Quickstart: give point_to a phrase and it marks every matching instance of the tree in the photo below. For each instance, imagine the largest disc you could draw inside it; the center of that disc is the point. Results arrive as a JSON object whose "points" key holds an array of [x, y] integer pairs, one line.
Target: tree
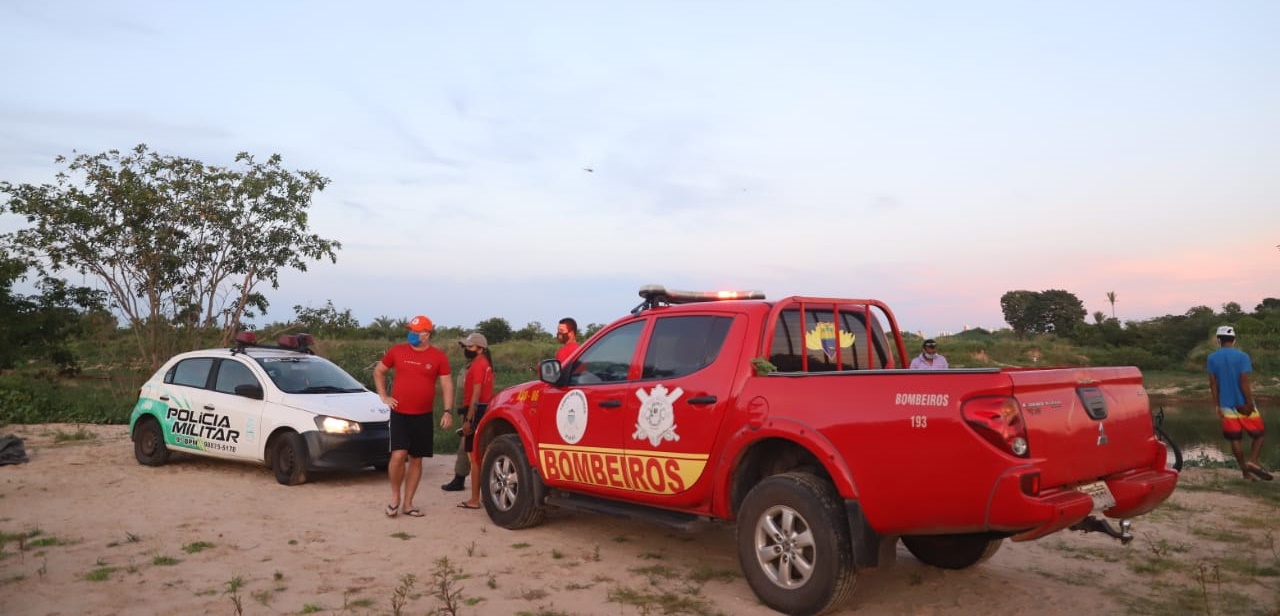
{"points": [[1053, 310], [533, 330], [326, 321], [496, 330], [1019, 309], [1060, 311], [39, 326], [175, 242], [1111, 297]]}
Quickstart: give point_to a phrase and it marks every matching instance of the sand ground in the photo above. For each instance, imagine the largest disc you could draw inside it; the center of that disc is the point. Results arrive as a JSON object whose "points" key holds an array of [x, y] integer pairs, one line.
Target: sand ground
{"points": [[104, 535]]}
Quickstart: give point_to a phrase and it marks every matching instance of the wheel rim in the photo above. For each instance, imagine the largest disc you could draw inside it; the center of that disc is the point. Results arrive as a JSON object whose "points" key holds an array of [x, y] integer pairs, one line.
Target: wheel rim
{"points": [[149, 442], [785, 548], [504, 484], [286, 460]]}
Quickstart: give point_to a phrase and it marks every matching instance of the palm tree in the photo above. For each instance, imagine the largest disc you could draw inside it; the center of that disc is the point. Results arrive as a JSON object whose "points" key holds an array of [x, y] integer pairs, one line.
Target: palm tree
{"points": [[1111, 297]]}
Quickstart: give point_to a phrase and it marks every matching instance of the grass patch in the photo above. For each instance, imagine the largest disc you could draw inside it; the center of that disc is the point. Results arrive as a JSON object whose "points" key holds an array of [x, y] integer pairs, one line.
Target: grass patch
{"points": [[403, 536], [704, 573], [1220, 534], [81, 434], [1155, 565], [101, 574], [164, 561], [520, 546], [196, 547], [662, 603]]}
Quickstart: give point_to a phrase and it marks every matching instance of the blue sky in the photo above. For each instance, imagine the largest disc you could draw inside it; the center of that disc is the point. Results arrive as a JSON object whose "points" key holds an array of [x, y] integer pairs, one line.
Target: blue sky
{"points": [[930, 154]]}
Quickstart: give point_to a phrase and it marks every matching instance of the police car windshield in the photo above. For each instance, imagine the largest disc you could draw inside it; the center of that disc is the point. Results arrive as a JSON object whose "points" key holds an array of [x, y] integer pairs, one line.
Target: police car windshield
{"points": [[309, 375]]}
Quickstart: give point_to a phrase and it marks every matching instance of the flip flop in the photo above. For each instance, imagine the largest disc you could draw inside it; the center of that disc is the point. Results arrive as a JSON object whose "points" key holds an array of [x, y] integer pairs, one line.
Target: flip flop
{"points": [[1259, 471], [414, 513], [392, 510], [466, 505]]}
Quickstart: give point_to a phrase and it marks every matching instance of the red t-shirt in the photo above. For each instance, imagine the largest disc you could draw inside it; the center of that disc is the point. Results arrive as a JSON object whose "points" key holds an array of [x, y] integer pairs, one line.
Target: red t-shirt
{"points": [[566, 350], [479, 372], [416, 373]]}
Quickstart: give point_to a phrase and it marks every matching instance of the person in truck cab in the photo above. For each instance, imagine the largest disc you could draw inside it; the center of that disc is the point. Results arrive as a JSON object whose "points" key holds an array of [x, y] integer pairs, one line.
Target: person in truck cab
{"points": [[1229, 370], [929, 357], [418, 366]]}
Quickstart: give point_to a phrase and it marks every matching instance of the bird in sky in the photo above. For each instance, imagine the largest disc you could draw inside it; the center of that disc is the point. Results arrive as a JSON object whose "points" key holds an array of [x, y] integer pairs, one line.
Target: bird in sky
{"points": [[588, 169]]}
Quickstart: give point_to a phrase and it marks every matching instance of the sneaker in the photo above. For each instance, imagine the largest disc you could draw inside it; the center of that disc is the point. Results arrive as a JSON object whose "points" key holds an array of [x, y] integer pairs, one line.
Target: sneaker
{"points": [[454, 486]]}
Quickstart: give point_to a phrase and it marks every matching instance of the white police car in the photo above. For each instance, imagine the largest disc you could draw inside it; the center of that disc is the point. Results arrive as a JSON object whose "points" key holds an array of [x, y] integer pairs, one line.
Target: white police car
{"points": [[278, 405]]}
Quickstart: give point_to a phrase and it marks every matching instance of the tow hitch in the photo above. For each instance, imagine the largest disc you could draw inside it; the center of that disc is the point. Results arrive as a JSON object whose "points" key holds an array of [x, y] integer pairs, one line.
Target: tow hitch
{"points": [[1093, 524]]}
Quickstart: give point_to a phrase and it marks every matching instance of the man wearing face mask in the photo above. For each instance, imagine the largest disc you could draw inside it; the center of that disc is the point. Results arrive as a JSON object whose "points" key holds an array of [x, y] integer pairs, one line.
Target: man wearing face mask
{"points": [[567, 334], [418, 366], [929, 357]]}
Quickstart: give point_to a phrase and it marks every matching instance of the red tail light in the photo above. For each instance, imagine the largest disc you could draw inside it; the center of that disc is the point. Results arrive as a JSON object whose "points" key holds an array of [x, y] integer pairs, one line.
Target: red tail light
{"points": [[999, 421]]}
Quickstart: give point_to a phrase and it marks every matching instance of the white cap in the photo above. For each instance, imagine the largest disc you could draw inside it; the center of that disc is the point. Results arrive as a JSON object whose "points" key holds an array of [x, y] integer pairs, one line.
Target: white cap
{"points": [[1227, 330]]}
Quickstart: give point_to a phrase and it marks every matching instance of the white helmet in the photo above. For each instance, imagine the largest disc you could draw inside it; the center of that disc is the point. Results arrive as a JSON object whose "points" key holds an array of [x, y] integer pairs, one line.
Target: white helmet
{"points": [[1227, 330]]}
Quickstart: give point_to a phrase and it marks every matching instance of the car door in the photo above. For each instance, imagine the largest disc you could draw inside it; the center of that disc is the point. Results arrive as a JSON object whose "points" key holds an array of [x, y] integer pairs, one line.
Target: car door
{"points": [[683, 397], [581, 442], [236, 403]]}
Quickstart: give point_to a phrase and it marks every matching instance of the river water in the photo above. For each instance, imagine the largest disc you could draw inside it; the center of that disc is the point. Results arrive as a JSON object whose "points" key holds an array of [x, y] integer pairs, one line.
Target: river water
{"points": [[1198, 431]]}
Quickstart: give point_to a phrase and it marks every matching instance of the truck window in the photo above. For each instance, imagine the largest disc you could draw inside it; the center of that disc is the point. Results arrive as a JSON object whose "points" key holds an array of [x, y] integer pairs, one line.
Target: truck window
{"points": [[684, 345], [608, 359], [822, 341]]}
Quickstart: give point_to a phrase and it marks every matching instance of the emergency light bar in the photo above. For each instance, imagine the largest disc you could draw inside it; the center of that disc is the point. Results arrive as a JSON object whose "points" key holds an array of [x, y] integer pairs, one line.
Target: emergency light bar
{"points": [[295, 342], [657, 295]]}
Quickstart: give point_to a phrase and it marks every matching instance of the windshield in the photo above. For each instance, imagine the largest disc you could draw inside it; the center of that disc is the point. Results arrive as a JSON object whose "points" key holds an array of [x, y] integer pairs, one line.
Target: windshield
{"points": [[309, 375]]}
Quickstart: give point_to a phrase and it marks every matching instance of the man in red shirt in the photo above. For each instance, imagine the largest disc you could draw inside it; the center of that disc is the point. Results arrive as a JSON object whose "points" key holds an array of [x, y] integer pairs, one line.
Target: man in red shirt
{"points": [[567, 334], [418, 366]]}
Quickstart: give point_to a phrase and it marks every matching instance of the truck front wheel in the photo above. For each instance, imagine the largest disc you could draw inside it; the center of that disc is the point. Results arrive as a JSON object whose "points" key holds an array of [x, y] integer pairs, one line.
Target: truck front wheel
{"points": [[794, 546], [952, 551], [512, 493]]}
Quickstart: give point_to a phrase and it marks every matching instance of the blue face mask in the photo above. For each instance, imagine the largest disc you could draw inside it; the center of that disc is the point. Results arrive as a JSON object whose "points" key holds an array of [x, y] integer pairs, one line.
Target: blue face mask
{"points": [[414, 338]]}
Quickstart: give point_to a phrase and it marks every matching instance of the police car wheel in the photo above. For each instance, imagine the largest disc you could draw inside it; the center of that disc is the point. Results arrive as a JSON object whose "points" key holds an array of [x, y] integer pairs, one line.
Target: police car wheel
{"points": [[289, 459], [511, 491], [148, 443]]}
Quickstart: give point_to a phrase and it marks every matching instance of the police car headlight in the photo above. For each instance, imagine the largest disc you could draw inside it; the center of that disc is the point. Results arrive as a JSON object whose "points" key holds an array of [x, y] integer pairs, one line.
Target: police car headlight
{"points": [[333, 425]]}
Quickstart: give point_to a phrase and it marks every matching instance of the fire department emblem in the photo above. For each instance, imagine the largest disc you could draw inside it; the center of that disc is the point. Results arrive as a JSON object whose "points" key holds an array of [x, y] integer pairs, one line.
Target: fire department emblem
{"points": [[571, 416], [657, 419]]}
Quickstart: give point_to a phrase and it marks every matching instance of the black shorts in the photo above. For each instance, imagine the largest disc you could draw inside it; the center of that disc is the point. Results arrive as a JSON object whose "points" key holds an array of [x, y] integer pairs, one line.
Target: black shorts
{"points": [[413, 433], [468, 441]]}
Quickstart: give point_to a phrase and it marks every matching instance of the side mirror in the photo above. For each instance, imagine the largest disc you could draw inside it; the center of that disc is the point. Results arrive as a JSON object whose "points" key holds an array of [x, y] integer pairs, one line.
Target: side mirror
{"points": [[249, 391], [549, 371]]}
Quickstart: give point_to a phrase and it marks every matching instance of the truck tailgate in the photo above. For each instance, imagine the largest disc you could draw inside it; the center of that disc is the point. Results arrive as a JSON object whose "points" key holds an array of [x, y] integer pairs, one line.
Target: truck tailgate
{"points": [[1073, 415]]}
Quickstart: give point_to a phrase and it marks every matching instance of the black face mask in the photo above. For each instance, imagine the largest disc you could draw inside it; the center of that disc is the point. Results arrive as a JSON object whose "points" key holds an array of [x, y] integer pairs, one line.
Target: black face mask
{"points": [[470, 354]]}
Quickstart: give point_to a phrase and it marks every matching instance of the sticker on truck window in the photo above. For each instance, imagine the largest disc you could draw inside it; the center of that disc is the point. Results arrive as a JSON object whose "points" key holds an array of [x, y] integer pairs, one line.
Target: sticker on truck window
{"points": [[657, 419], [823, 337], [571, 416]]}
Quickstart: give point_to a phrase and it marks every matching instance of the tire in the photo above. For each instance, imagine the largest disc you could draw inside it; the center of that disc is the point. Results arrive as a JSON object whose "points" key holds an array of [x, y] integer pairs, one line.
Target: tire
{"points": [[289, 459], [148, 443], [953, 551], [512, 493], [1174, 456], [794, 545]]}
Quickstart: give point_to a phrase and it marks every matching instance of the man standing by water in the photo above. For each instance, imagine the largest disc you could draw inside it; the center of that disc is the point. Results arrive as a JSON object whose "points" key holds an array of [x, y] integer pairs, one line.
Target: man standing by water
{"points": [[1229, 370]]}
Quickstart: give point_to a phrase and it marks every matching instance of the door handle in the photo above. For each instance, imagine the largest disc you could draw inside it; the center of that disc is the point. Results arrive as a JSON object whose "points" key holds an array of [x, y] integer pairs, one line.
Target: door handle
{"points": [[703, 400], [610, 404], [165, 398], [208, 407]]}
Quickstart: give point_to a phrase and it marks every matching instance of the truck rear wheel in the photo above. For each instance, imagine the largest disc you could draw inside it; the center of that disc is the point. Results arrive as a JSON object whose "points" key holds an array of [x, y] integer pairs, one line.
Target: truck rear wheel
{"points": [[512, 493], [953, 551], [794, 546]]}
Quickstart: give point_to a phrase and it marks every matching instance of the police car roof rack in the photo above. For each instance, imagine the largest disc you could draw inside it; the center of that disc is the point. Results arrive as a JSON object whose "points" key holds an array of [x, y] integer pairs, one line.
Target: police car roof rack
{"points": [[656, 295], [288, 342]]}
